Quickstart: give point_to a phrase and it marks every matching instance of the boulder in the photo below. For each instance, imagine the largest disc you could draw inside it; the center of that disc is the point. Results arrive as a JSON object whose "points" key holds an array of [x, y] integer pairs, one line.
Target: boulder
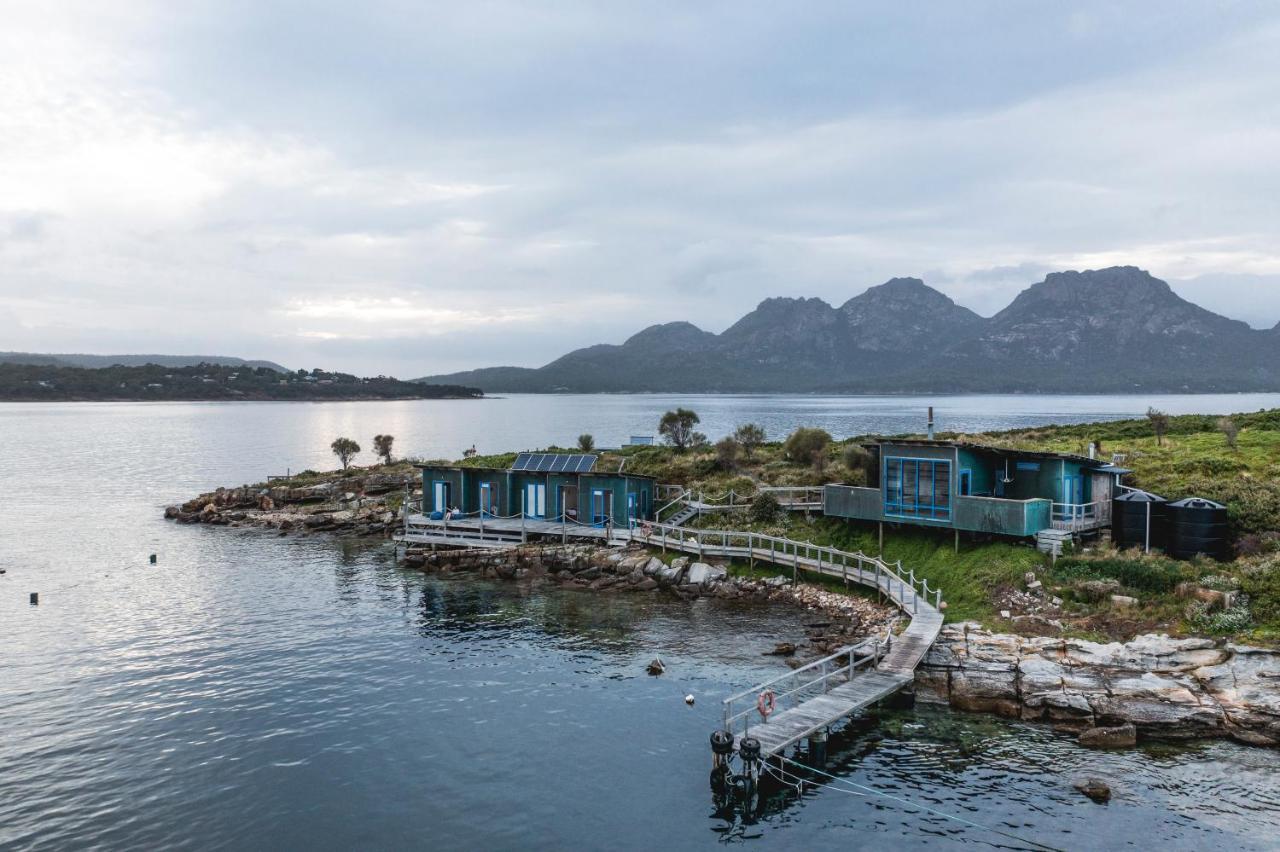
{"points": [[1095, 789], [1120, 736], [653, 566], [698, 573], [782, 649], [1123, 601]]}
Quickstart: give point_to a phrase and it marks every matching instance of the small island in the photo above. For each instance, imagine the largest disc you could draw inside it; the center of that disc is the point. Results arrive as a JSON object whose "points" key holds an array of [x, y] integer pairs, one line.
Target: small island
{"points": [[206, 382], [1095, 630]]}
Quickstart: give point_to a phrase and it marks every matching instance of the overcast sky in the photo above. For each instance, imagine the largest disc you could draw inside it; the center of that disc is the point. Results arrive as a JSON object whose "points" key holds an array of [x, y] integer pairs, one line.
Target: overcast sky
{"points": [[409, 188]]}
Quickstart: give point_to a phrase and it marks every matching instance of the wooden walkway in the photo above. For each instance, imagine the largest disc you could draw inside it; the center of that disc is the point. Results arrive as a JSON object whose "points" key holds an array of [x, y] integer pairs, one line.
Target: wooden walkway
{"points": [[860, 682], [848, 681]]}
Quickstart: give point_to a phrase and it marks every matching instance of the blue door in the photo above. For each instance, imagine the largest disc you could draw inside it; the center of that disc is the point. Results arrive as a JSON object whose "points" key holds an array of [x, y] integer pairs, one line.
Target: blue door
{"points": [[1073, 489], [600, 506], [632, 505], [535, 500], [487, 507], [439, 496]]}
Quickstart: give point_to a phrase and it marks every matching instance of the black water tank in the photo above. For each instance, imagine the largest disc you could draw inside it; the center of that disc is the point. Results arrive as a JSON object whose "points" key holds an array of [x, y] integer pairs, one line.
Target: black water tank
{"points": [[1134, 515], [1196, 525]]}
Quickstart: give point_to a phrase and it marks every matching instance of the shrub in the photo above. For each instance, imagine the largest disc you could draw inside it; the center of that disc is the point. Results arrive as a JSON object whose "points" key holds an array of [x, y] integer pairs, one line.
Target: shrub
{"points": [[803, 444], [765, 509], [1148, 573], [1261, 583], [1235, 620], [859, 464], [586, 442], [727, 453]]}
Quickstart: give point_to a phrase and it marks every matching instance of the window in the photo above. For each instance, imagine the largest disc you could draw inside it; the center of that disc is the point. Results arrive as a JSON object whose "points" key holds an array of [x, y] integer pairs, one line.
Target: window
{"points": [[919, 488], [966, 482]]}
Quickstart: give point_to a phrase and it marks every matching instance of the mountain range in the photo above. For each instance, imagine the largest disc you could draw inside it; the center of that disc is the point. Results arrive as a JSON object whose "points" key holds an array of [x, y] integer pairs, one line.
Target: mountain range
{"points": [[63, 359], [1112, 330]]}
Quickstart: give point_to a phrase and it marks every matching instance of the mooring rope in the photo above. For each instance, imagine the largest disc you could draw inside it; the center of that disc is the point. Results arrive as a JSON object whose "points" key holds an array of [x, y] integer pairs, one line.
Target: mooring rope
{"points": [[874, 792]]}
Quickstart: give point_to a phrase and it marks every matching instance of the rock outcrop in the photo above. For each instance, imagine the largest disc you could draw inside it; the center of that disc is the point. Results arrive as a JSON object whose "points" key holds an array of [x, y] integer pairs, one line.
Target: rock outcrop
{"points": [[354, 505], [1168, 688]]}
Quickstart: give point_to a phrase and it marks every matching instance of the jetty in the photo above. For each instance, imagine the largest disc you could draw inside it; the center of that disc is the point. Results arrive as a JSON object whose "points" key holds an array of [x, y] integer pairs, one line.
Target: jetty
{"points": [[808, 700], [767, 719]]}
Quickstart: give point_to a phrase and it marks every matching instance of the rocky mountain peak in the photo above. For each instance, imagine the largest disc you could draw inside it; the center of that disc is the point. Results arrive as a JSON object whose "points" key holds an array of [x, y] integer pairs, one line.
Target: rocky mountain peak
{"points": [[671, 335]]}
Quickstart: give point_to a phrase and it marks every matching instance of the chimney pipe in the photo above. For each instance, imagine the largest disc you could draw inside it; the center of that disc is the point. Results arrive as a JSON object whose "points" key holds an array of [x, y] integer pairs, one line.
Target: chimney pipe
{"points": [[1093, 450], [931, 423]]}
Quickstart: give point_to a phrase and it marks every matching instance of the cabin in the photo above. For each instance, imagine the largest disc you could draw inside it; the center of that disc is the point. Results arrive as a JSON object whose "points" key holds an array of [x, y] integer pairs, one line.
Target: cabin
{"points": [[540, 486], [975, 488]]}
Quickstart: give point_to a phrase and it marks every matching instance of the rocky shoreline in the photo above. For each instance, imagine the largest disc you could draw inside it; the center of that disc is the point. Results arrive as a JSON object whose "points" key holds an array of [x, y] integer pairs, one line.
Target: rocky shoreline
{"points": [[1113, 693], [357, 505], [846, 619]]}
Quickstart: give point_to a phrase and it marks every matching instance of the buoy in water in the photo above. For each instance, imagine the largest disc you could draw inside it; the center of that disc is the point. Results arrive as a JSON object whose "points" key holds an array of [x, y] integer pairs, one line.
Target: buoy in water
{"points": [[35, 599], [153, 559], [688, 699], [656, 666]]}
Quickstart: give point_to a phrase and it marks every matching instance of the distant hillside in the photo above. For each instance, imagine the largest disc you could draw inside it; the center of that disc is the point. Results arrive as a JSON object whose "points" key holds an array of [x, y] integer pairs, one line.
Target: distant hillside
{"points": [[80, 360], [50, 383], [1101, 331]]}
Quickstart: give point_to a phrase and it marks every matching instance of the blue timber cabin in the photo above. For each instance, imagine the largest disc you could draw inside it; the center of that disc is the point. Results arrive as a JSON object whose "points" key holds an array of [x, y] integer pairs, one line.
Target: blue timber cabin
{"points": [[540, 486], [980, 489]]}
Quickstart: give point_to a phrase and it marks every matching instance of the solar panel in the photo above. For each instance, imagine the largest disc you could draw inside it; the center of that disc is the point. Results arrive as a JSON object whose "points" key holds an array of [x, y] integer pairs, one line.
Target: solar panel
{"points": [[554, 462]]}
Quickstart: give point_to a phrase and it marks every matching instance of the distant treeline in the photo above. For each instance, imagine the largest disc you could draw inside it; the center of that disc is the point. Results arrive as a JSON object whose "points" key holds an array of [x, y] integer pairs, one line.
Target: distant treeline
{"points": [[36, 382]]}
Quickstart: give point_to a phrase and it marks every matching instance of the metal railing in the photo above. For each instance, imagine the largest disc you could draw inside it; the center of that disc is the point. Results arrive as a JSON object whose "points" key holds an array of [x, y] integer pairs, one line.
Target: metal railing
{"points": [[904, 589], [797, 686]]}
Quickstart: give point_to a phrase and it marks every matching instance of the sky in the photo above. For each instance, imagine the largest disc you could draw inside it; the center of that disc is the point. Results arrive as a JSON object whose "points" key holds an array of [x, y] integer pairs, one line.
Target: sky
{"points": [[410, 188]]}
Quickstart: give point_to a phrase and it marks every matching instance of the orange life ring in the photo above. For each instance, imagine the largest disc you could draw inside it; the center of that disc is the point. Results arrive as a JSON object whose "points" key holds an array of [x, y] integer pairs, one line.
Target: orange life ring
{"points": [[766, 703]]}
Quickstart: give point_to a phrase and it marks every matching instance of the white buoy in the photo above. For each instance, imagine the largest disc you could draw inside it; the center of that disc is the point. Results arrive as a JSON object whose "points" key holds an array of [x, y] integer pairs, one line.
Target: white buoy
{"points": [[688, 699]]}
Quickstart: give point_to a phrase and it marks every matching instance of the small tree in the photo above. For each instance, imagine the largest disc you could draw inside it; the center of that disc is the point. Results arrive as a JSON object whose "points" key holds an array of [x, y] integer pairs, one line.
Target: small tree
{"points": [[382, 447], [676, 428], [802, 444], [727, 453], [749, 436], [1229, 430], [586, 442], [345, 449], [1159, 424]]}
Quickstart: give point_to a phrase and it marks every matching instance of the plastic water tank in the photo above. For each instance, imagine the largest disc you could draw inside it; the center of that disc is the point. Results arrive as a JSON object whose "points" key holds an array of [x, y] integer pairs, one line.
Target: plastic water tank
{"points": [[1197, 525], [1138, 520]]}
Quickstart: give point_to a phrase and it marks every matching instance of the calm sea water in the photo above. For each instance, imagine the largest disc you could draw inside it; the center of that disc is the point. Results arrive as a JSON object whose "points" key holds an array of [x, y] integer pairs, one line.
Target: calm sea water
{"points": [[276, 693]]}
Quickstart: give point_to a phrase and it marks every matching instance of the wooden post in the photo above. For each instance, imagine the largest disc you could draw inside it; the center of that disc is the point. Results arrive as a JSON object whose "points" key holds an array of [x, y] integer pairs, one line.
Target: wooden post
{"points": [[881, 525]]}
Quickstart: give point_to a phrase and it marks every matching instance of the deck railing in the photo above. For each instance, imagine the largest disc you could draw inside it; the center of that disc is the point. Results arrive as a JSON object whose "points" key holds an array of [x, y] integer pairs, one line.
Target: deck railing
{"points": [[797, 686], [1081, 516]]}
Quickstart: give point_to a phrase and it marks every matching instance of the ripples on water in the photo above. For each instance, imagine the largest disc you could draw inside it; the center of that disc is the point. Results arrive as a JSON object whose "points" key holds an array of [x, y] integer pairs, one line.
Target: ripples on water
{"points": [[260, 692]]}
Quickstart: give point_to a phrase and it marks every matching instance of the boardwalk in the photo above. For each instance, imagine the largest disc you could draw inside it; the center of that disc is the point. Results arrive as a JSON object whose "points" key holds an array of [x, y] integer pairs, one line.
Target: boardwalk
{"points": [[860, 678], [821, 693]]}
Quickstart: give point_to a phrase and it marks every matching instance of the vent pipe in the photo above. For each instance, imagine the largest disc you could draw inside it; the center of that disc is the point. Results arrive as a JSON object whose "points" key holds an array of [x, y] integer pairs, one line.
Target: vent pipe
{"points": [[1093, 450], [931, 423]]}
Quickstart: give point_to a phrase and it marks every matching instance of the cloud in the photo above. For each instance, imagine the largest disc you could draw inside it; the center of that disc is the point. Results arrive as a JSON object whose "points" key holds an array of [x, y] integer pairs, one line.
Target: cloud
{"points": [[412, 189]]}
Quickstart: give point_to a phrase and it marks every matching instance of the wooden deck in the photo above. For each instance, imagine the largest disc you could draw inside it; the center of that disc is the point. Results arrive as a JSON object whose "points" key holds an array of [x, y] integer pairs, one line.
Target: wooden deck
{"points": [[501, 532]]}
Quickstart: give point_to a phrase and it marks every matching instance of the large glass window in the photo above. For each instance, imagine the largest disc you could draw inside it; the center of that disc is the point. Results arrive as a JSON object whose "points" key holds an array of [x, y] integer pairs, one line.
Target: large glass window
{"points": [[919, 488]]}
